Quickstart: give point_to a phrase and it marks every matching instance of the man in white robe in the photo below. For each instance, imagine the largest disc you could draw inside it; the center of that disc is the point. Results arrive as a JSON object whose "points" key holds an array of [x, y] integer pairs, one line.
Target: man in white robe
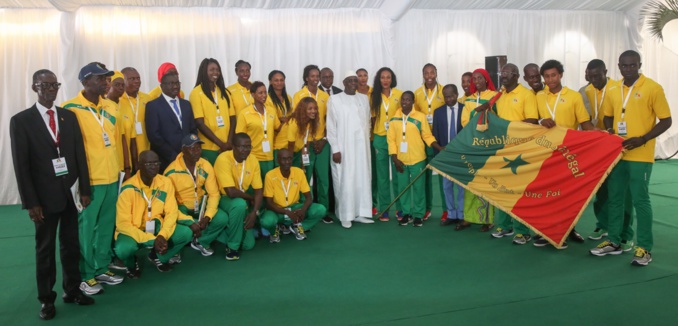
{"points": [[348, 132]]}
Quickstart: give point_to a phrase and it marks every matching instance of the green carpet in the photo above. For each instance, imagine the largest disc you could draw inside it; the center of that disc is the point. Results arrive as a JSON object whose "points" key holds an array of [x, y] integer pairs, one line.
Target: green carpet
{"points": [[381, 274]]}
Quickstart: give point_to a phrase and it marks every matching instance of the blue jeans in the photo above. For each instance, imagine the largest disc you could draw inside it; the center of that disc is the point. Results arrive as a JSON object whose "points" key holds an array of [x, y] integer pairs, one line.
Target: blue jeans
{"points": [[455, 208]]}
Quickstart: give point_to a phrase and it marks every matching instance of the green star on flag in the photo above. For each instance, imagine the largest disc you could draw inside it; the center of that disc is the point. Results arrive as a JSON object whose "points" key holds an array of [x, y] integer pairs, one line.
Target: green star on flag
{"points": [[514, 164]]}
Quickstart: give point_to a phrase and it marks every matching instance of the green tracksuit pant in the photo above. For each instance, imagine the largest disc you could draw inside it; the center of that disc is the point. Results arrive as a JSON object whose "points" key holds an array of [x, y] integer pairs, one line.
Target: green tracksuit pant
{"points": [[634, 176], [269, 219], [383, 176], [320, 165], [412, 202], [96, 227], [126, 247]]}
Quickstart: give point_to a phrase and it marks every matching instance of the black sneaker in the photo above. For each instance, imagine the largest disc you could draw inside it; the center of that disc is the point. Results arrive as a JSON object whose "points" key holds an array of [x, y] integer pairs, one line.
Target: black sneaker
{"points": [[564, 246], [327, 220], [162, 267], [232, 254], [418, 222], [575, 236], [541, 242], [117, 264], [134, 273], [405, 220]]}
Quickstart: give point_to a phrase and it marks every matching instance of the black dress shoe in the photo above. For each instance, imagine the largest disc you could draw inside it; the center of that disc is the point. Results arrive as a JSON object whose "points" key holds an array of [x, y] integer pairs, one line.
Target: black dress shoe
{"points": [[576, 237], [78, 298], [447, 221], [47, 311]]}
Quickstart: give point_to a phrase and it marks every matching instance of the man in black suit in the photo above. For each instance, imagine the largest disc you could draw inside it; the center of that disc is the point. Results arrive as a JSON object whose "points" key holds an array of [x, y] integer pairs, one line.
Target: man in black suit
{"points": [[49, 158], [168, 119], [326, 81], [446, 126]]}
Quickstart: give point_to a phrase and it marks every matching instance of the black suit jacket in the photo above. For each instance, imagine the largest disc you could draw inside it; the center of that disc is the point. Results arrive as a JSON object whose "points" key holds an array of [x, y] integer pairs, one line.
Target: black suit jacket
{"points": [[335, 89], [163, 129], [440, 129], [33, 150]]}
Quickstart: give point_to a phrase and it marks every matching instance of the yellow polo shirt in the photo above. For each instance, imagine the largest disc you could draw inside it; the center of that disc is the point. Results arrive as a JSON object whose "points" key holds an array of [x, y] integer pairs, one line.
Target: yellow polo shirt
{"points": [[592, 94], [229, 172], [135, 108], [472, 102], [156, 92], [206, 182], [322, 98], [240, 96], [293, 135], [647, 103], [417, 135], [281, 135], [570, 111], [205, 108], [102, 160], [273, 186], [422, 95], [123, 127], [518, 104], [252, 123], [393, 103], [132, 208]]}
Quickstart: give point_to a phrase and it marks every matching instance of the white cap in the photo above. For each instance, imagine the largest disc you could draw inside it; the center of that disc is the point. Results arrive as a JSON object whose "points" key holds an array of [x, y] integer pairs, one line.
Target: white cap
{"points": [[350, 74]]}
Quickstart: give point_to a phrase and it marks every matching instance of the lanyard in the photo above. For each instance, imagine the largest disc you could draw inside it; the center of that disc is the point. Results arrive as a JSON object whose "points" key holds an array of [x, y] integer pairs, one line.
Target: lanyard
{"points": [[389, 103], [555, 106], [96, 116], [242, 173], [55, 137], [315, 97], [306, 137], [216, 102], [621, 88], [148, 202], [194, 178], [287, 190], [264, 120], [135, 110], [430, 100], [247, 103], [595, 117], [405, 123]]}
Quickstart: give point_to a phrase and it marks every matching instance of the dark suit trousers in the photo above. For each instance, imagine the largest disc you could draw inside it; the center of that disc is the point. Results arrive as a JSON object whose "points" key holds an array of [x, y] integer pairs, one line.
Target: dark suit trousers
{"points": [[45, 246]]}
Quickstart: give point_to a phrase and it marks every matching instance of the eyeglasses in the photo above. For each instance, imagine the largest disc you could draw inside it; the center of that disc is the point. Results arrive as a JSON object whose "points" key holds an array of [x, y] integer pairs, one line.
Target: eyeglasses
{"points": [[152, 164], [172, 83], [48, 85], [507, 73]]}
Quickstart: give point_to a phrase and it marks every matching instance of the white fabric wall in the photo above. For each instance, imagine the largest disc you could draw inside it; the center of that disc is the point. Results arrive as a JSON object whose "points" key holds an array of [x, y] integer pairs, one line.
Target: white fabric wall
{"points": [[288, 39]]}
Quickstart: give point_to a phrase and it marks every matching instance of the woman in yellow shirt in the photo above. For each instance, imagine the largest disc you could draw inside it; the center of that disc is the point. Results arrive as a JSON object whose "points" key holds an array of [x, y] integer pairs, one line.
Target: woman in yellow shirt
{"points": [[260, 124], [281, 102], [240, 90], [302, 133], [384, 102], [213, 110], [477, 210]]}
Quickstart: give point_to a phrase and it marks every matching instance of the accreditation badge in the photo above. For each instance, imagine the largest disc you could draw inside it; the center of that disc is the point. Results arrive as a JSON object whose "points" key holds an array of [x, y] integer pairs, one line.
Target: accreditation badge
{"points": [[403, 147], [621, 128], [220, 121], [150, 227], [107, 140], [60, 167], [265, 146], [429, 118], [138, 128]]}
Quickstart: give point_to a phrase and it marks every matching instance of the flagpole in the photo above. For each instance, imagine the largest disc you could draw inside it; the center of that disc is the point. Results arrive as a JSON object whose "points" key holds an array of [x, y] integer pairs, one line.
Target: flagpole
{"points": [[402, 192]]}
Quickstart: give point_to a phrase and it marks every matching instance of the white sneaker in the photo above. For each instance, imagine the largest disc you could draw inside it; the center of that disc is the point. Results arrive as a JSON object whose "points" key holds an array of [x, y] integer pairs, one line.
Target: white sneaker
{"points": [[195, 244], [91, 287], [346, 224], [362, 219], [109, 278]]}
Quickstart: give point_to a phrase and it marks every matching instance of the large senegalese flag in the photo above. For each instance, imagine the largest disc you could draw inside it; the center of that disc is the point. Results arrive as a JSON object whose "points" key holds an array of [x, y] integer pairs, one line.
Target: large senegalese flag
{"points": [[542, 177]]}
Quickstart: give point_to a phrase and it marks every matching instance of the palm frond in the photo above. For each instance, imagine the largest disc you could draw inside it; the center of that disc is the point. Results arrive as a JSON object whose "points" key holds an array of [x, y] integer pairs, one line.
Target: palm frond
{"points": [[659, 13]]}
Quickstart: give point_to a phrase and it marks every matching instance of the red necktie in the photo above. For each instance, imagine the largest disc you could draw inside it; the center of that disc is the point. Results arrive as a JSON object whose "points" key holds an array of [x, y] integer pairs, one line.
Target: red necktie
{"points": [[52, 125]]}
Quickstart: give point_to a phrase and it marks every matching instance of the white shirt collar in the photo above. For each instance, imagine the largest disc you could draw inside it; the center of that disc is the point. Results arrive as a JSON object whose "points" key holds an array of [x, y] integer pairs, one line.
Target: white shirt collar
{"points": [[43, 109]]}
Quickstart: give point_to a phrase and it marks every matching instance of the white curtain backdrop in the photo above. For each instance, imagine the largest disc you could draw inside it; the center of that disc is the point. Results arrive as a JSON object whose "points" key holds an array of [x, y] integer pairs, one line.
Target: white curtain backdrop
{"points": [[459, 41], [288, 39]]}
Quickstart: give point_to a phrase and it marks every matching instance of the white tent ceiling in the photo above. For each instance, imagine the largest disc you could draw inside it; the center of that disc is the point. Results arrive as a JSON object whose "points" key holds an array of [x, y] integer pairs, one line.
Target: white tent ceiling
{"points": [[602, 5]]}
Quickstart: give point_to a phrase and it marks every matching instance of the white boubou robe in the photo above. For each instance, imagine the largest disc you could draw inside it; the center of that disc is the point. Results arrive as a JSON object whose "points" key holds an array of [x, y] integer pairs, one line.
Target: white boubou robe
{"points": [[348, 132]]}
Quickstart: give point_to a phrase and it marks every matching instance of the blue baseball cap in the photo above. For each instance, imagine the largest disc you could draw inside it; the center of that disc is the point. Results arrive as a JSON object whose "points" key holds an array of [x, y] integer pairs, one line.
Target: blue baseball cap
{"points": [[93, 69], [189, 140]]}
